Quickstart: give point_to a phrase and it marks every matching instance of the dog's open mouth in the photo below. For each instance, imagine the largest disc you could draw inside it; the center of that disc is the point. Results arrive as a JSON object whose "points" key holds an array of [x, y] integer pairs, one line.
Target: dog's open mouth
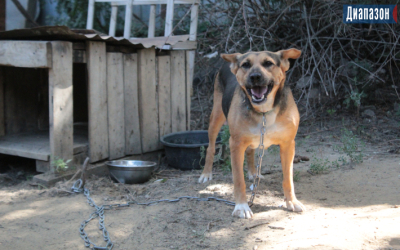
{"points": [[259, 93]]}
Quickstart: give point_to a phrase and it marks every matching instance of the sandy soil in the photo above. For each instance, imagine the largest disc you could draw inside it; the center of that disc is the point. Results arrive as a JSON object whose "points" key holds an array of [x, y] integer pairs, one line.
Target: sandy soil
{"points": [[347, 208]]}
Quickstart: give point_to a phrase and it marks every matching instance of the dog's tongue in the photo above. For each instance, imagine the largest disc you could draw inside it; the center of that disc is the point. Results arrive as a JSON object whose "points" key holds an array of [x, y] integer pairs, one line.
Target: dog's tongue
{"points": [[258, 92]]}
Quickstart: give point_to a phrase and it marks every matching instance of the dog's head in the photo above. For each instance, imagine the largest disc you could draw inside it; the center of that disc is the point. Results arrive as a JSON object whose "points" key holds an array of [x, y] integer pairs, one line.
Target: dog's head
{"points": [[261, 74]]}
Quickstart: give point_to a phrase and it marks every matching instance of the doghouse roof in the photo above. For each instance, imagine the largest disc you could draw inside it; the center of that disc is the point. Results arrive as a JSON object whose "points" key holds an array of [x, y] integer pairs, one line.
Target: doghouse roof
{"points": [[66, 34]]}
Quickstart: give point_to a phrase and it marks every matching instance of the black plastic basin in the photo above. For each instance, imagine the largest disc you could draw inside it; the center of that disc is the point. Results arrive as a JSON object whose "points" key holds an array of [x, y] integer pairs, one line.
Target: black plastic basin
{"points": [[183, 148]]}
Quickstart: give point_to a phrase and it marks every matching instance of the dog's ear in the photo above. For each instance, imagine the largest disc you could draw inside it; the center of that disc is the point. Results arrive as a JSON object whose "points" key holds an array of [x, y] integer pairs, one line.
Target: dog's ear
{"points": [[288, 54], [233, 59]]}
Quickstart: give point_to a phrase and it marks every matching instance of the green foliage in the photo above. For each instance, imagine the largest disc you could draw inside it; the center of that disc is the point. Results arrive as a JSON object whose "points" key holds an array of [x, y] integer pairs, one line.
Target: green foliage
{"points": [[354, 97], [296, 176], [319, 165], [226, 163], [202, 155], [331, 111], [223, 157], [60, 165], [351, 146]]}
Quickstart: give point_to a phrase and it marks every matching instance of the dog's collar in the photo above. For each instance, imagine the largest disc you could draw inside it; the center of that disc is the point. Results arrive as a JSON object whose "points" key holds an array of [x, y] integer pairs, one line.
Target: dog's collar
{"points": [[249, 107]]}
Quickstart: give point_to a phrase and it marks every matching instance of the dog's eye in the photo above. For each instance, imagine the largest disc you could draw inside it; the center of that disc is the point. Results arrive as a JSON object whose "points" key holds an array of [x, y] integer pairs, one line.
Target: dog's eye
{"points": [[246, 65], [267, 64]]}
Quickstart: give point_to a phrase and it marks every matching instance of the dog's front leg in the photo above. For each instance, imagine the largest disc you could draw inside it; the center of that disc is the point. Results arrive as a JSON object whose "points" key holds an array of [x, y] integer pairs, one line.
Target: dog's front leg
{"points": [[287, 155], [242, 209]]}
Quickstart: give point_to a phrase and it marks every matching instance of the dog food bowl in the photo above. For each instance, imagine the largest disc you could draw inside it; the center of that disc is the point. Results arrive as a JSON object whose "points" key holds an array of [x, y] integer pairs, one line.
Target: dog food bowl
{"points": [[183, 148], [130, 171]]}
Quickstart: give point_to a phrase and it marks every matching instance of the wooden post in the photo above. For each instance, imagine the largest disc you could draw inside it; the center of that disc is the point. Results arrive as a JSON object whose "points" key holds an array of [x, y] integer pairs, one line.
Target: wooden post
{"points": [[193, 22], [152, 21], [190, 55], [148, 108], [97, 98], [90, 15], [116, 112], [169, 18], [113, 19], [128, 19], [190, 59], [60, 101], [132, 124], [178, 91], [164, 94], [2, 122]]}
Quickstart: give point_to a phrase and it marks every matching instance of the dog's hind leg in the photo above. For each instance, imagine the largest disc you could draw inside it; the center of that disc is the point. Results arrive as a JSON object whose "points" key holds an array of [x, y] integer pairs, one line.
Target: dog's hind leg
{"points": [[217, 119], [251, 169]]}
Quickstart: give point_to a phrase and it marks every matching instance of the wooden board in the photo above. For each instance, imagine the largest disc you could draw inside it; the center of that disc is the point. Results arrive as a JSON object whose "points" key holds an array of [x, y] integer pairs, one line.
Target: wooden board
{"points": [[132, 124], [36, 145], [97, 101], [148, 108], [190, 55], [29, 54], [2, 122], [178, 91], [116, 115], [60, 101], [164, 94]]}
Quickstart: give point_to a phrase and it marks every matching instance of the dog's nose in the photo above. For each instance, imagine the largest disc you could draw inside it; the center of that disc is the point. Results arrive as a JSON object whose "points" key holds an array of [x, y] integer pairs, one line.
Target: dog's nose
{"points": [[255, 77]]}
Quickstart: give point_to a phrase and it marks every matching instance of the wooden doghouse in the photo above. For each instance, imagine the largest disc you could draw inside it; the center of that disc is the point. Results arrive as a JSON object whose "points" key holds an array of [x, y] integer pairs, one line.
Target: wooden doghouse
{"points": [[66, 94]]}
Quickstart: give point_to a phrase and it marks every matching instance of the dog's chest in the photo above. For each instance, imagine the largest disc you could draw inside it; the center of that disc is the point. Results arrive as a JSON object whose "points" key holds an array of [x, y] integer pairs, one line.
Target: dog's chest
{"points": [[272, 130]]}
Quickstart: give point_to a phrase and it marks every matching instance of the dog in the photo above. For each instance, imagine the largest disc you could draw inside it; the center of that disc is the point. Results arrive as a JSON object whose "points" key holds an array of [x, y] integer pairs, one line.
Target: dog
{"points": [[246, 86]]}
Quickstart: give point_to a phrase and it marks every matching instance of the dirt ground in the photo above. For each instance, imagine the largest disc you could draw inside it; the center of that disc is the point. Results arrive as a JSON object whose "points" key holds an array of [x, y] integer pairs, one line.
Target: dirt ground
{"points": [[347, 208]]}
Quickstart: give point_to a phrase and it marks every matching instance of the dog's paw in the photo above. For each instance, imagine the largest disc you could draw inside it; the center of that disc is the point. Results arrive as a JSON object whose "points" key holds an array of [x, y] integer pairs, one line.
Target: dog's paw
{"points": [[295, 206], [242, 211], [205, 177], [251, 176]]}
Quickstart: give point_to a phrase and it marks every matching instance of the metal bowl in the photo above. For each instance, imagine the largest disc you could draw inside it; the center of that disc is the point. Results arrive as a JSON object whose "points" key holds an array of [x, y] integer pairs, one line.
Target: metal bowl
{"points": [[130, 171]]}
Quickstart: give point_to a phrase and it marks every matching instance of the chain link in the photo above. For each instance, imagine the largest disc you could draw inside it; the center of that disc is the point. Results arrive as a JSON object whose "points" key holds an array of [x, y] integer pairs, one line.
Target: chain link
{"points": [[99, 213], [260, 154]]}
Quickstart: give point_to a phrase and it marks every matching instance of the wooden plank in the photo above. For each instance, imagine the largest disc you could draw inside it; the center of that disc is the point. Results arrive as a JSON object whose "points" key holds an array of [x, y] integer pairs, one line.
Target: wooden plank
{"points": [[152, 21], [35, 145], [90, 15], [193, 22], [164, 94], [2, 121], [97, 101], [113, 20], [187, 45], [60, 101], [35, 54], [190, 56], [115, 96], [178, 91], [148, 108], [128, 19], [169, 18], [133, 144]]}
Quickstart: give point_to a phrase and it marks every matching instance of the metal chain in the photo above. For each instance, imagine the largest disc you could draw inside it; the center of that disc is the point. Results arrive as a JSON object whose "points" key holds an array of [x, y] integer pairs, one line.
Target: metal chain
{"points": [[260, 154], [99, 213]]}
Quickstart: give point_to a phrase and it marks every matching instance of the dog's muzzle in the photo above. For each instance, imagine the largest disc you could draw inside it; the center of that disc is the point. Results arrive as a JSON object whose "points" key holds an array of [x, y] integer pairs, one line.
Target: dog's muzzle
{"points": [[259, 93]]}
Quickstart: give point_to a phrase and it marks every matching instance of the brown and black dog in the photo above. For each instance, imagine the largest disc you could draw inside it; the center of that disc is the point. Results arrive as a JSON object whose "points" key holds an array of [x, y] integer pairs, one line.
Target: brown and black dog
{"points": [[249, 85]]}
